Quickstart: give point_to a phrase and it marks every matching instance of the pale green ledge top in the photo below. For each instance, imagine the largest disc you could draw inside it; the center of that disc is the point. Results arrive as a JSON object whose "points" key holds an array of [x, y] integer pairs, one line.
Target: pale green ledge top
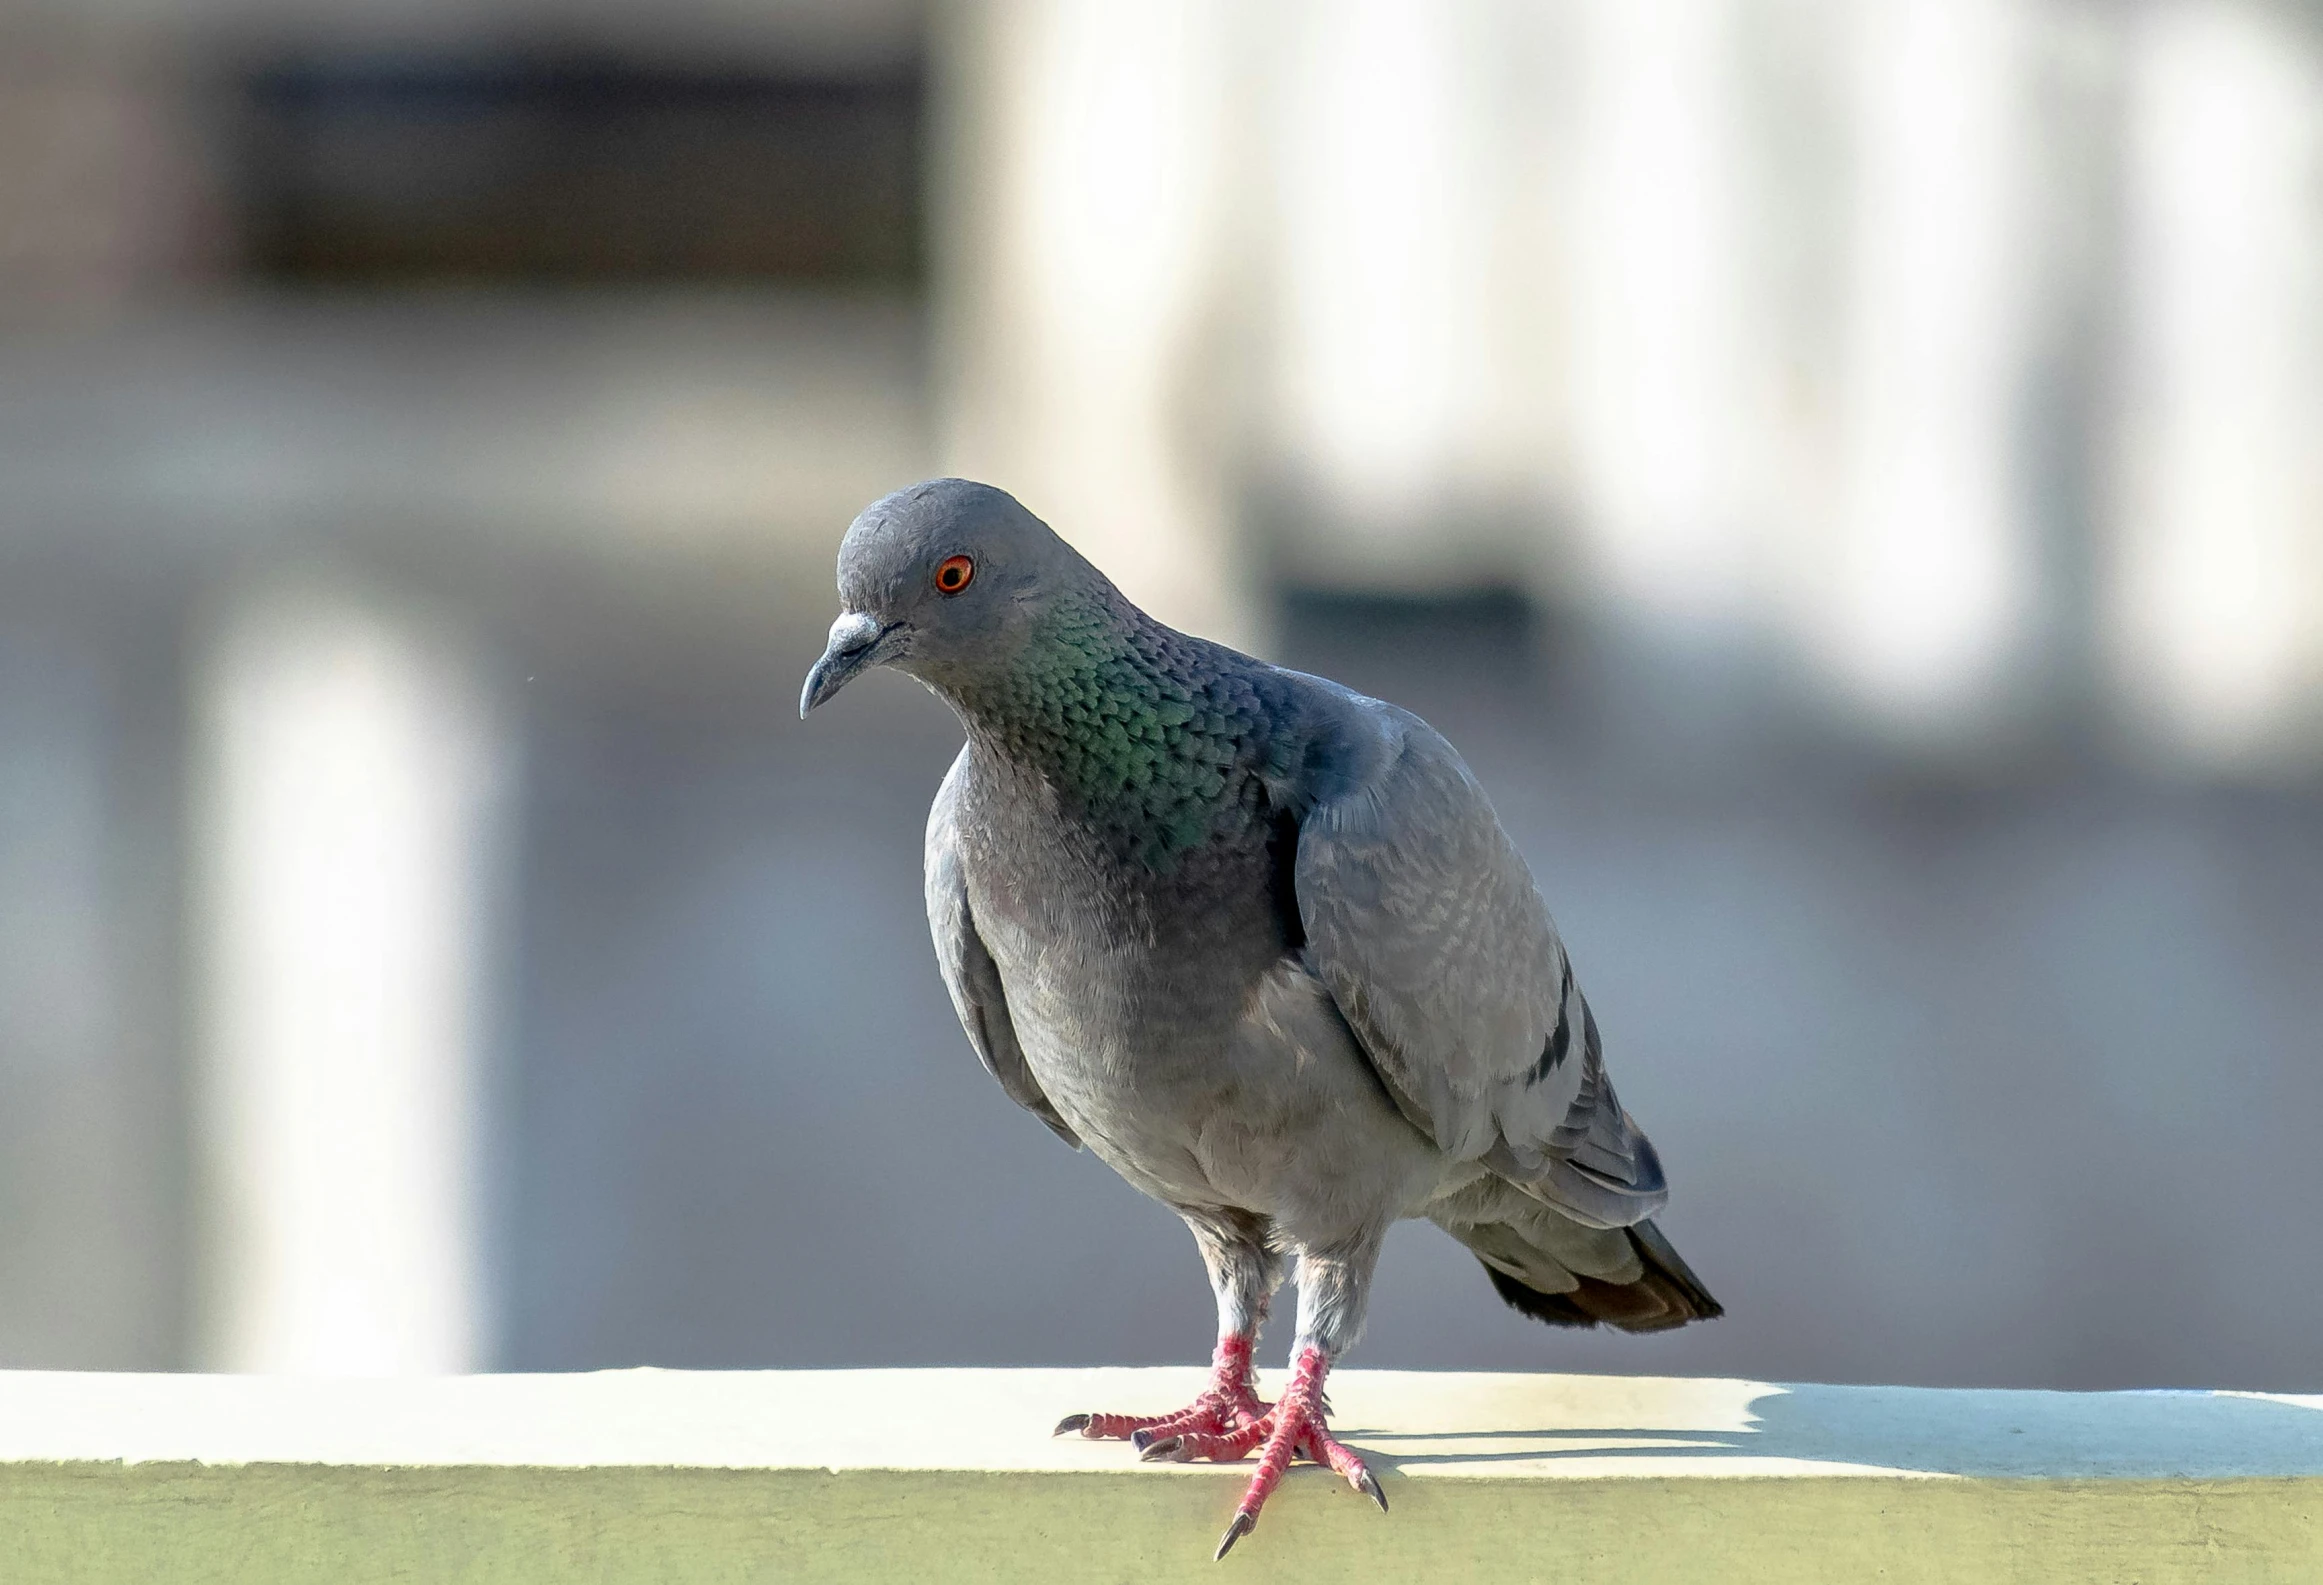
{"points": [[1420, 1425]]}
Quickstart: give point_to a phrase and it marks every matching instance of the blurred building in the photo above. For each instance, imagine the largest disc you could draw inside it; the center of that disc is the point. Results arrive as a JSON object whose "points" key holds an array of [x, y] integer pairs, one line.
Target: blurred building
{"points": [[1844, 470]]}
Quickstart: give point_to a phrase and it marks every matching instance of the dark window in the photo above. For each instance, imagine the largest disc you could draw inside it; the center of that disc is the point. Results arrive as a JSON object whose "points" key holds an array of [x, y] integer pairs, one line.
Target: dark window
{"points": [[536, 170]]}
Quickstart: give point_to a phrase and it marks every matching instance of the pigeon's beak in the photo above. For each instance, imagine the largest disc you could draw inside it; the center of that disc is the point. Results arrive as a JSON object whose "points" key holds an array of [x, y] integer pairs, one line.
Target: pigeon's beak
{"points": [[858, 643]]}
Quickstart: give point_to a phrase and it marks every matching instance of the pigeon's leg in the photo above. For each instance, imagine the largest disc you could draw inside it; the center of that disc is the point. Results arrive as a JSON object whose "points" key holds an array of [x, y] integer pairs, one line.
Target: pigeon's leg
{"points": [[1332, 1288], [1243, 1274]]}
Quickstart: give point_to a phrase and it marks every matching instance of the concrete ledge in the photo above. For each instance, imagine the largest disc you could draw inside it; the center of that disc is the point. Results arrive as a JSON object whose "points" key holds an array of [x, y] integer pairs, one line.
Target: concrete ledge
{"points": [[856, 1475]]}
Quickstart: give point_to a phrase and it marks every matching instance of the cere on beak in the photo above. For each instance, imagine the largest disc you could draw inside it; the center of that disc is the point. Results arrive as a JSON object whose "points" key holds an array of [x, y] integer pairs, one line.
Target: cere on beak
{"points": [[857, 643]]}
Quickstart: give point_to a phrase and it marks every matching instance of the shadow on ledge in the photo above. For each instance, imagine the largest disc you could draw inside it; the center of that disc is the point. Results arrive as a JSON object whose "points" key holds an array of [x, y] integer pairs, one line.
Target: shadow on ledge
{"points": [[2157, 1435]]}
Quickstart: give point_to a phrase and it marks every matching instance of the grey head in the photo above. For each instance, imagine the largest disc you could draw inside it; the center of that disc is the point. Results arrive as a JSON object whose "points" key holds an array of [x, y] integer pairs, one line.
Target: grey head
{"points": [[943, 581]]}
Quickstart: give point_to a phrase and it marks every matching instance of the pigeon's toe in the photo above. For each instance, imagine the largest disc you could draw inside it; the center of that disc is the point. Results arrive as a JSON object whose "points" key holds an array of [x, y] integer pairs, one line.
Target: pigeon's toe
{"points": [[1107, 1427], [1229, 1404], [1225, 1445], [1292, 1429], [1210, 1416]]}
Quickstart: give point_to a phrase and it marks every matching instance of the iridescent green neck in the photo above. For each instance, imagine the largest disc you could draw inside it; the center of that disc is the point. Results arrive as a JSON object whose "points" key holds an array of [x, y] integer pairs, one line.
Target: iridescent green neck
{"points": [[1140, 726]]}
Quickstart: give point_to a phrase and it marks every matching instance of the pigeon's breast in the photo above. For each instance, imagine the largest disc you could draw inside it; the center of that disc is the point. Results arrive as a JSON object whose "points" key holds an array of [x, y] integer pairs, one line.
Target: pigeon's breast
{"points": [[1119, 972], [1259, 1102], [1095, 940], [1166, 1016]]}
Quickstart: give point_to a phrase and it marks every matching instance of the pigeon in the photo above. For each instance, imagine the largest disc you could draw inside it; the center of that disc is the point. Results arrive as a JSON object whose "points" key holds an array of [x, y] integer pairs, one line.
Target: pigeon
{"points": [[1258, 942]]}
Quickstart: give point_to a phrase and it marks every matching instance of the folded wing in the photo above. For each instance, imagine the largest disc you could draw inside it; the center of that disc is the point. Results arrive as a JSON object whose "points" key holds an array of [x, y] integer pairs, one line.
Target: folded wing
{"points": [[1422, 920], [969, 972]]}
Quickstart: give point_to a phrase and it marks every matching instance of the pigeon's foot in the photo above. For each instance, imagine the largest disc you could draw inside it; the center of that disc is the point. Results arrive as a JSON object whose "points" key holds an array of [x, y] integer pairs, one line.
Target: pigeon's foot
{"points": [[1228, 1405], [1292, 1428]]}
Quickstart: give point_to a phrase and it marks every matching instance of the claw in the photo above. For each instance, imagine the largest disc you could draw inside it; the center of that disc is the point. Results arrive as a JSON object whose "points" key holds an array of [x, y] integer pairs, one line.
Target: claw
{"points": [[1369, 1486], [1141, 1440], [1243, 1524], [1071, 1422], [1170, 1449]]}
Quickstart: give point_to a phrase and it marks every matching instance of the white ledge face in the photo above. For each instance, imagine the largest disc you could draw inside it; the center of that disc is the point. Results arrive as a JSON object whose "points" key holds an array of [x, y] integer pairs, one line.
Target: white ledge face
{"points": [[1419, 1424]]}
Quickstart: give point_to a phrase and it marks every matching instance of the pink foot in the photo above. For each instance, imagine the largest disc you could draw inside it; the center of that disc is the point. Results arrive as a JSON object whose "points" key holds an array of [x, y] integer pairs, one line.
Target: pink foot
{"points": [[1293, 1427], [1227, 1405]]}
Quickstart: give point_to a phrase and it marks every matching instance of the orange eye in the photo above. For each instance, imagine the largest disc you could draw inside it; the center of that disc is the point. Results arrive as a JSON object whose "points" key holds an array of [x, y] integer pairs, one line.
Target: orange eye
{"points": [[953, 573]]}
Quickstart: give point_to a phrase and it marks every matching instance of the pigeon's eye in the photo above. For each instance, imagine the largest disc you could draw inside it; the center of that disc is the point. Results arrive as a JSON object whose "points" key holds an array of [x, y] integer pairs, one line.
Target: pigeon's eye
{"points": [[953, 573]]}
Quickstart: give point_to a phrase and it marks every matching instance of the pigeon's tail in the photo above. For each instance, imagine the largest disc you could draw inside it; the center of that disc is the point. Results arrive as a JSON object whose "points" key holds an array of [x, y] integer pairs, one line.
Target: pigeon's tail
{"points": [[1667, 1294]]}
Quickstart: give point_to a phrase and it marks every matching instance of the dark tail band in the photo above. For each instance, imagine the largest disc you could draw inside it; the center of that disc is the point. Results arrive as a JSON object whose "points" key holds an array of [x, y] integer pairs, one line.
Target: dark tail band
{"points": [[1667, 1295]]}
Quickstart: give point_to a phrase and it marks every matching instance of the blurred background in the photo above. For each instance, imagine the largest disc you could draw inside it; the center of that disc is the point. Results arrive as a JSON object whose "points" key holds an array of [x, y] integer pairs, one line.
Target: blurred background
{"points": [[1848, 473]]}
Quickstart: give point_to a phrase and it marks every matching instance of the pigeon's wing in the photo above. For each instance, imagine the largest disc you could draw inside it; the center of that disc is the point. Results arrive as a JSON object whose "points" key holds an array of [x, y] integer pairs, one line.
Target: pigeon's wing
{"points": [[1422, 920], [969, 972]]}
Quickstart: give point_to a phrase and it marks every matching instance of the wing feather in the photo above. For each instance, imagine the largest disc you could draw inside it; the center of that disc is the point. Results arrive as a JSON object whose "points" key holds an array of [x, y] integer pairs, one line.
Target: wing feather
{"points": [[1422, 920], [969, 972]]}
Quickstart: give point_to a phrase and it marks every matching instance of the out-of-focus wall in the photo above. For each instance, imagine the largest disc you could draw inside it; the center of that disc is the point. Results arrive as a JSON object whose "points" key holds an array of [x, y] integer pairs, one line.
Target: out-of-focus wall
{"points": [[1858, 340], [110, 187], [1841, 469], [274, 339]]}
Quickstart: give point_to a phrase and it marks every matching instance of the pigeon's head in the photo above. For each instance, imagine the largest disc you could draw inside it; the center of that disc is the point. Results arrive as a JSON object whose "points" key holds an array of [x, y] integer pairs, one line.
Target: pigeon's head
{"points": [[943, 580]]}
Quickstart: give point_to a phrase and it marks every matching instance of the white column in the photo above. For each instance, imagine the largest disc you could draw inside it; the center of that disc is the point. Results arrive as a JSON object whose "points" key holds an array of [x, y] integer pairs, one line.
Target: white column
{"points": [[1663, 331], [2213, 595], [1392, 361], [348, 781], [1082, 262], [1923, 591]]}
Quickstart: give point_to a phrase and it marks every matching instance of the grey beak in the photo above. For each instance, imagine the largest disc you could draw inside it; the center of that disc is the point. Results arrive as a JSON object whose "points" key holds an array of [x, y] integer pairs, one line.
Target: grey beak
{"points": [[857, 644]]}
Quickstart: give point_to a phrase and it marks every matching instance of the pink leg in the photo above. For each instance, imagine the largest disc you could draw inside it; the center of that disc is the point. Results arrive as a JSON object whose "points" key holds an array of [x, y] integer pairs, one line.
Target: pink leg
{"points": [[1292, 1427], [1227, 1404]]}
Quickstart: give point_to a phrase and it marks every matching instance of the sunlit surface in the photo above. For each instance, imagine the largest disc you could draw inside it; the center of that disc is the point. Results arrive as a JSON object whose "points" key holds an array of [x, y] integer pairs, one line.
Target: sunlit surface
{"points": [[2214, 597], [348, 775]]}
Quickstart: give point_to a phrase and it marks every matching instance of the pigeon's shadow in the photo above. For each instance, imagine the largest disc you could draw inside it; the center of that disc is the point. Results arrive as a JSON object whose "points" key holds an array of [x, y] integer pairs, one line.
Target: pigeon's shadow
{"points": [[1976, 1432], [1383, 1448]]}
